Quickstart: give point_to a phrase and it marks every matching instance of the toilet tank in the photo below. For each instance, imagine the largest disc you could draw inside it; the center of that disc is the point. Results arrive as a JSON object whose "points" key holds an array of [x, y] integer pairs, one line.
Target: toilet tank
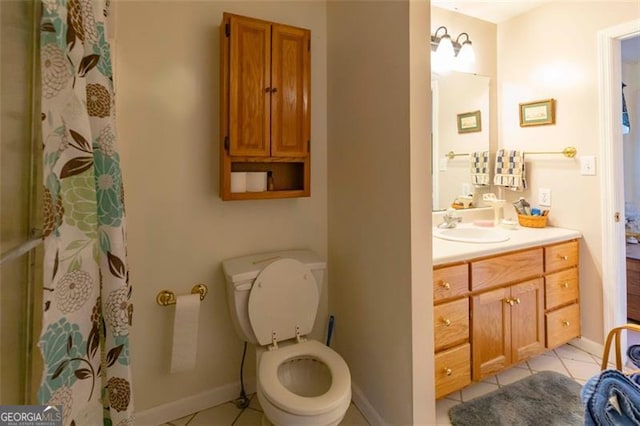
{"points": [[241, 272]]}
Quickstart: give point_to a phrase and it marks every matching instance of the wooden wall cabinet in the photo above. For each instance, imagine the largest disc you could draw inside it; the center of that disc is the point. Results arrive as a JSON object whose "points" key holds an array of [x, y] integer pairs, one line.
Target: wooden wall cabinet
{"points": [[265, 115], [496, 311]]}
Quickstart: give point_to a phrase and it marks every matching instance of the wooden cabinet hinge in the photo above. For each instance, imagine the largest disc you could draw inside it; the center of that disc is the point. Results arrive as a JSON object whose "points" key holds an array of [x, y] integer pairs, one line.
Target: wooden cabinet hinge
{"points": [[226, 143], [227, 29]]}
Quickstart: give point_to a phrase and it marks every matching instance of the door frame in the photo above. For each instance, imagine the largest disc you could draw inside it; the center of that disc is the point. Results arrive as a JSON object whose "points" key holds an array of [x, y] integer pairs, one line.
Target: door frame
{"points": [[612, 176]]}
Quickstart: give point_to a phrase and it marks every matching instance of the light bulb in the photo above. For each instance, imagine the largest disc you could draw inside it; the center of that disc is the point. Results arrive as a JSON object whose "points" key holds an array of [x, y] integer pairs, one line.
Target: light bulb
{"points": [[444, 55], [466, 57]]}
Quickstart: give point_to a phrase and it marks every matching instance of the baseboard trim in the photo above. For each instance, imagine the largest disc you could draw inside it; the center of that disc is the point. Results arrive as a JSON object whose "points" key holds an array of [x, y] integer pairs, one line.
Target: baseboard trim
{"points": [[183, 407], [588, 346], [368, 411]]}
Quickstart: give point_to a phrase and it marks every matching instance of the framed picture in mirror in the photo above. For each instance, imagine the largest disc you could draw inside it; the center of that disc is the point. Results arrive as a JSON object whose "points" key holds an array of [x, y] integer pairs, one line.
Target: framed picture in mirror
{"points": [[469, 122]]}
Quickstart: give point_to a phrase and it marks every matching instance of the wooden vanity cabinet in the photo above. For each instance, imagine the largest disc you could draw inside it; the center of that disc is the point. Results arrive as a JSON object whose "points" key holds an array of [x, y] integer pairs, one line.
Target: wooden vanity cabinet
{"points": [[265, 116], [451, 328], [519, 304], [508, 319], [562, 293]]}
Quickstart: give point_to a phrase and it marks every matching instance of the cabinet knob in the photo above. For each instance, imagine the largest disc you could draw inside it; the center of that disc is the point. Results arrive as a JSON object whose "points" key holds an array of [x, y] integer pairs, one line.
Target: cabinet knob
{"points": [[517, 300], [564, 257], [565, 285], [508, 301], [446, 322], [445, 285], [267, 89], [448, 371], [274, 90], [566, 323]]}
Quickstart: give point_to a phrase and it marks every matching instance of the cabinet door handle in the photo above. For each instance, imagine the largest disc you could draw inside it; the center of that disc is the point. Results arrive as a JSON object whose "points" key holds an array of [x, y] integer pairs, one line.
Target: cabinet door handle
{"points": [[517, 300], [566, 323], [508, 301], [446, 322], [267, 89], [563, 257], [565, 285], [448, 371], [445, 285], [274, 90]]}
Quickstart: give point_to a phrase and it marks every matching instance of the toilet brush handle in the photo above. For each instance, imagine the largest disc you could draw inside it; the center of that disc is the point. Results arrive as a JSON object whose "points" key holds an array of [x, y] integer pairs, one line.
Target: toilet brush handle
{"points": [[330, 329]]}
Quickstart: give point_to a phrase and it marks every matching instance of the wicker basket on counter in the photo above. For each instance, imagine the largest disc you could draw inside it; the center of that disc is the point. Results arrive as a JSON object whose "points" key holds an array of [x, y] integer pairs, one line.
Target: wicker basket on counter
{"points": [[532, 221]]}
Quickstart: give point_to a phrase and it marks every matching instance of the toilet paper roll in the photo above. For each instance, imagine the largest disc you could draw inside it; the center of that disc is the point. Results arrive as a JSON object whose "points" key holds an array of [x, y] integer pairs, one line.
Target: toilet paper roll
{"points": [[256, 181], [238, 182], [185, 333]]}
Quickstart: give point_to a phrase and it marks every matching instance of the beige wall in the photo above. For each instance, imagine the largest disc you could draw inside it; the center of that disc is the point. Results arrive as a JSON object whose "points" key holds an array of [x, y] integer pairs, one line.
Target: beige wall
{"points": [[379, 241], [551, 52], [178, 228]]}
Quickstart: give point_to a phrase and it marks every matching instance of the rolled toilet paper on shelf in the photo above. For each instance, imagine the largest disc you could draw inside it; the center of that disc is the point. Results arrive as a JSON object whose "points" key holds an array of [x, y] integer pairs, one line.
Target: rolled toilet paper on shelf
{"points": [[238, 181], [256, 181], [185, 333]]}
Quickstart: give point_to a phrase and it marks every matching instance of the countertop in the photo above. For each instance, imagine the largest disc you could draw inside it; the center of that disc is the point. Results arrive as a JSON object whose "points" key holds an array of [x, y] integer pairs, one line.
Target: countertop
{"points": [[633, 251], [445, 251]]}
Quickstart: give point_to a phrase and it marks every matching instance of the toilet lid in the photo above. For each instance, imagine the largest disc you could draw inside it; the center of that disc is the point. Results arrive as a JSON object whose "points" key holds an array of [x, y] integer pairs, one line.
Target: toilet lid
{"points": [[284, 296]]}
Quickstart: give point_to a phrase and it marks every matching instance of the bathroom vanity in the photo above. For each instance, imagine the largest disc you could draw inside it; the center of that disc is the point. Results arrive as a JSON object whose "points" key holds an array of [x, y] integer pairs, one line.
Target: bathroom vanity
{"points": [[498, 304]]}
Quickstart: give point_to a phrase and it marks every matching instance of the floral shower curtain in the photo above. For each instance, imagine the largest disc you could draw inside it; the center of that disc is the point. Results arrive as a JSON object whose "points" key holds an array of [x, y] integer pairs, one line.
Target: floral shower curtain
{"points": [[87, 314]]}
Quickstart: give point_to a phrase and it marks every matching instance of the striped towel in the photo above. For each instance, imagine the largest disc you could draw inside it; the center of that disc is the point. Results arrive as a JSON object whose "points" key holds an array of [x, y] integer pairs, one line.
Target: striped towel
{"points": [[479, 168], [510, 170]]}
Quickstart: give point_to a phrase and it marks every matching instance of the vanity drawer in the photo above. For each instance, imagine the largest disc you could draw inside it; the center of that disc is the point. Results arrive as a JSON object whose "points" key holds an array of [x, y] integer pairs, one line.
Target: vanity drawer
{"points": [[563, 325], [451, 323], [560, 256], [450, 281], [561, 288], [453, 370], [507, 268]]}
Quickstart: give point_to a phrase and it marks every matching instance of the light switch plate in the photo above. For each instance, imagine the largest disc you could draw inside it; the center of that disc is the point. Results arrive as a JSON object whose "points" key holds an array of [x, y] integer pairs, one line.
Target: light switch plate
{"points": [[588, 165]]}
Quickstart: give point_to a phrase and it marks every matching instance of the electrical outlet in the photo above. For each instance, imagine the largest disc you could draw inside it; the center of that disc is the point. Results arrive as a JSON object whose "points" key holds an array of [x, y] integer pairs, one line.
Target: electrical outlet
{"points": [[544, 197]]}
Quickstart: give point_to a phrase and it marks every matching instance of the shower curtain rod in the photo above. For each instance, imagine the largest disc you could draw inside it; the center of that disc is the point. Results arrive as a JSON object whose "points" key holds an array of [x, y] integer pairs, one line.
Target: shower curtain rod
{"points": [[23, 248]]}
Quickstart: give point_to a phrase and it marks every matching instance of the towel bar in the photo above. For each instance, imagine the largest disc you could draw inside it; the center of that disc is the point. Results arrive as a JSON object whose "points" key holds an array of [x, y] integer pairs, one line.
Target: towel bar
{"points": [[166, 297]]}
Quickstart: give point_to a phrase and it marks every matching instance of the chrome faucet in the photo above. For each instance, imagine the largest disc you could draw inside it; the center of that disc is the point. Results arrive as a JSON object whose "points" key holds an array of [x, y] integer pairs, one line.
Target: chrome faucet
{"points": [[451, 219]]}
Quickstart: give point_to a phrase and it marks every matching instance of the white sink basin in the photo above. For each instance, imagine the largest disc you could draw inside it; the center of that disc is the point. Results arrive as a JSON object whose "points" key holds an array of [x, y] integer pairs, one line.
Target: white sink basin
{"points": [[471, 235]]}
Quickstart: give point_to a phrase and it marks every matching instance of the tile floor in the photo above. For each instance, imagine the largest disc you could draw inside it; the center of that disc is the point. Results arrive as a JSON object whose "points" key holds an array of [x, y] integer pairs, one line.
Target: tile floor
{"points": [[566, 359], [228, 414]]}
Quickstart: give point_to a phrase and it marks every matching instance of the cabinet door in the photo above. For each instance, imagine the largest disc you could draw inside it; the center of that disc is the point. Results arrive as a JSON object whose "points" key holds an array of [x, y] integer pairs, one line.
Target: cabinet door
{"points": [[290, 91], [491, 319], [527, 320], [249, 89]]}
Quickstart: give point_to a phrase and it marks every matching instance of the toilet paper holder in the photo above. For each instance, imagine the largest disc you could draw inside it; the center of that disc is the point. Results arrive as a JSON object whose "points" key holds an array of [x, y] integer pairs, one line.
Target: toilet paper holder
{"points": [[166, 297]]}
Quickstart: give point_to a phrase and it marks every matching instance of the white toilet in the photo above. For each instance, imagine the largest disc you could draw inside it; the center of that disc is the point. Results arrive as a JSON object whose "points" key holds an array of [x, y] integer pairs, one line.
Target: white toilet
{"points": [[273, 299]]}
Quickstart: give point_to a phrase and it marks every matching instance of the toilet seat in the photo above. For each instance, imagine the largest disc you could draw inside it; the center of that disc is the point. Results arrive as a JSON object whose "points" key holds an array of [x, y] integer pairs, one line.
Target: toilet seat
{"points": [[273, 389], [283, 302]]}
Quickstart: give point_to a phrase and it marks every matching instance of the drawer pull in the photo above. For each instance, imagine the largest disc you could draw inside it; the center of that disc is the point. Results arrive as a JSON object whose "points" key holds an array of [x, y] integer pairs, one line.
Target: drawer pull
{"points": [[446, 322], [445, 285], [565, 285], [448, 371], [566, 323], [564, 257]]}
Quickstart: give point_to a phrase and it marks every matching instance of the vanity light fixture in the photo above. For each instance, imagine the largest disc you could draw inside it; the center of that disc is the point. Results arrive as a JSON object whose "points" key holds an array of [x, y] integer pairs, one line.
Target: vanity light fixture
{"points": [[449, 54]]}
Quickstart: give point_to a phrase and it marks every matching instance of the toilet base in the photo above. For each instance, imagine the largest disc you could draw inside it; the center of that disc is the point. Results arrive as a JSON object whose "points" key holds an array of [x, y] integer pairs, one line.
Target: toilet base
{"points": [[264, 421]]}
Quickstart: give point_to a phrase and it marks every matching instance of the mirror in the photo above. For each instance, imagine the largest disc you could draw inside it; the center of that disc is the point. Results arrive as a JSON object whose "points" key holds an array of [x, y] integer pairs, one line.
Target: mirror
{"points": [[457, 127]]}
